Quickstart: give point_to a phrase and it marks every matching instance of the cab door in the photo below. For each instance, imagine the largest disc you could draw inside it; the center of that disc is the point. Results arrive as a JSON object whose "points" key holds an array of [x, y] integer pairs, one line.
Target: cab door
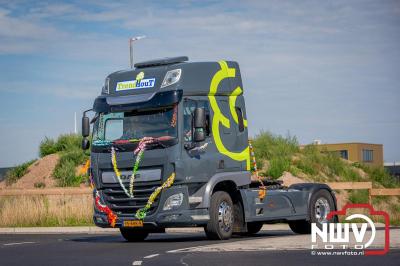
{"points": [[197, 157]]}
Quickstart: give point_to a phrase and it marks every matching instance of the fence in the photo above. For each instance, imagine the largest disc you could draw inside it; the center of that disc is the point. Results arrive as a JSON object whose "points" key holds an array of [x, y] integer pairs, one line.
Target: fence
{"points": [[45, 191], [366, 185]]}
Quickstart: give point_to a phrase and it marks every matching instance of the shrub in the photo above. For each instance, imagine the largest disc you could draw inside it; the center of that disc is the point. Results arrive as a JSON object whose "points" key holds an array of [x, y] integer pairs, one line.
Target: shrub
{"points": [[65, 170], [47, 146], [267, 145], [68, 142], [277, 149], [277, 166], [65, 173], [17, 172], [64, 142], [75, 156]]}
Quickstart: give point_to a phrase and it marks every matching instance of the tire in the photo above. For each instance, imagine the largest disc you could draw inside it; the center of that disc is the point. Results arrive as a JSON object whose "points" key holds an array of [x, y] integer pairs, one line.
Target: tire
{"points": [[254, 228], [220, 225], [133, 235], [316, 212], [300, 227]]}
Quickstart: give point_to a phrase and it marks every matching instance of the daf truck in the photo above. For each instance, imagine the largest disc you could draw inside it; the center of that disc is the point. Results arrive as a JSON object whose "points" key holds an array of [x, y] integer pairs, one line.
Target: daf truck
{"points": [[170, 148]]}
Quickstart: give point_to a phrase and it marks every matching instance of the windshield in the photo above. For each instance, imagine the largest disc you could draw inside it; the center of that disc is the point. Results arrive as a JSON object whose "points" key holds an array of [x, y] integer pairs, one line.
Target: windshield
{"points": [[134, 125]]}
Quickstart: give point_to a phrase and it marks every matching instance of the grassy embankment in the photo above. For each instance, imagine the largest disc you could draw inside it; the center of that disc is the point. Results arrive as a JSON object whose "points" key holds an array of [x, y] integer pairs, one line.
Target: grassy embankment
{"points": [[276, 154], [71, 156], [51, 210]]}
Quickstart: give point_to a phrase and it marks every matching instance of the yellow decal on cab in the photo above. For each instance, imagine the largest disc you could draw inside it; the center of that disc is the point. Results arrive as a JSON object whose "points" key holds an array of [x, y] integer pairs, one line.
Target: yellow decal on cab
{"points": [[219, 118]]}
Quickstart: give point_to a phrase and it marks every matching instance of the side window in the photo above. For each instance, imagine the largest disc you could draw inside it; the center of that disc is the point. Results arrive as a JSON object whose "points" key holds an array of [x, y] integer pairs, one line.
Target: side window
{"points": [[240, 119], [188, 110], [205, 105]]}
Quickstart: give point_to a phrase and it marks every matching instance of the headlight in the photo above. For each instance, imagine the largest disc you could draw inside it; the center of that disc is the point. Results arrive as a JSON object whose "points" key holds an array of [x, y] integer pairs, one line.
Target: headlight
{"points": [[106, 87], [173, 201], [171, 77]]}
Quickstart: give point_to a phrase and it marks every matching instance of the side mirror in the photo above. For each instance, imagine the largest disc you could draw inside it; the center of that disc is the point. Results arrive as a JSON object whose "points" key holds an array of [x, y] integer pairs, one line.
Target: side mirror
{"points": [[199, 125], [85, 144], [85, 126]]}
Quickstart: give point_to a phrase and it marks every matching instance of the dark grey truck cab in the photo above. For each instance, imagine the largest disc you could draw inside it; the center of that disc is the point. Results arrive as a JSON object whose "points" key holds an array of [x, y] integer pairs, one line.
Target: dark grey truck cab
{"points": [[196, 112]]}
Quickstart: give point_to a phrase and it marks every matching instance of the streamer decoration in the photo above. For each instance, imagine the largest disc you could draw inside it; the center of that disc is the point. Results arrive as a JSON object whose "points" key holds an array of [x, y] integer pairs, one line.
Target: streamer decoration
{"points": [[141, 213], [263, 189], [111, 216], [174, 116]]}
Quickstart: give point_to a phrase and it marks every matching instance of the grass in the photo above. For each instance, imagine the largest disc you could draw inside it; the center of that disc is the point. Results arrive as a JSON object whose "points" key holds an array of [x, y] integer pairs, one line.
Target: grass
{"points": [[55, 210], [17, 172], [277, 150], [378, 175], [65, 142]]}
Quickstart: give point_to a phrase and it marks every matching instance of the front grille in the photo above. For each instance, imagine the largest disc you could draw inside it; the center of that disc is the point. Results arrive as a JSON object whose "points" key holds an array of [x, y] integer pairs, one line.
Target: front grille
{"points": [[121, 204]]}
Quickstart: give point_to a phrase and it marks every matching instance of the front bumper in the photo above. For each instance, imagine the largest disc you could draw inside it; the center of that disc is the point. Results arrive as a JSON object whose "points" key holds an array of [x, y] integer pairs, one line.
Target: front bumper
{"points": [[183, 216]]}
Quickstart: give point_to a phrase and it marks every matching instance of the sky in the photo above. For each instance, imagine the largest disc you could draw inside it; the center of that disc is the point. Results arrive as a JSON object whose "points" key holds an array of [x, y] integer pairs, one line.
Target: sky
{"points": [[327, 70]]}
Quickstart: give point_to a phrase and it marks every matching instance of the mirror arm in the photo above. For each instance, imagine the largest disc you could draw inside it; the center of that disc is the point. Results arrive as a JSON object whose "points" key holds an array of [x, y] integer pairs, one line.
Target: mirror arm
{"points": [[88, 110]]}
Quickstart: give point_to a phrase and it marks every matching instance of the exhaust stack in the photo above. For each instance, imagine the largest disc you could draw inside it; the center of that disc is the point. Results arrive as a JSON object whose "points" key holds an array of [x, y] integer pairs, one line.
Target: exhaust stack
{"points": [[131, 40]]}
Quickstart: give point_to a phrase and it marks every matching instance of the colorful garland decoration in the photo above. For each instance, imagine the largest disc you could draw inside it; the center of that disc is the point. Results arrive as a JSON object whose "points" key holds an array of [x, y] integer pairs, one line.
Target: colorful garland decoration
{"points": [[141, 213], [262, 191], [139, 151], [174, 116], [139, 154], [111, 216]]}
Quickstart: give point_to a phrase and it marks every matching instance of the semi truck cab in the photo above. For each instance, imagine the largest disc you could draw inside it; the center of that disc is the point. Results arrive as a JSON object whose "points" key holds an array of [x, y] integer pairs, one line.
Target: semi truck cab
{"points": [[170, 148]]}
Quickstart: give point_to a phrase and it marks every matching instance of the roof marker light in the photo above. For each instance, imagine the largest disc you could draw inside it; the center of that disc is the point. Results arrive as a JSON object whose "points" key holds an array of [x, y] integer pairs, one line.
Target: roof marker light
{"points": [[106, 87]]}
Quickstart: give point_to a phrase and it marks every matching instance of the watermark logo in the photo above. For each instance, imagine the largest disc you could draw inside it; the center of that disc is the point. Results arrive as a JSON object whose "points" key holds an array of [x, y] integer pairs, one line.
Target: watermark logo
{"points": [[358, 232]]}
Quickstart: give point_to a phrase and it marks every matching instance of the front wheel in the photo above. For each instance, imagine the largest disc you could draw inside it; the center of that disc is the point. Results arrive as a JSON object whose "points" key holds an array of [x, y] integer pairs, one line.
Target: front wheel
{"points": [[133, 235], [220, 225]]}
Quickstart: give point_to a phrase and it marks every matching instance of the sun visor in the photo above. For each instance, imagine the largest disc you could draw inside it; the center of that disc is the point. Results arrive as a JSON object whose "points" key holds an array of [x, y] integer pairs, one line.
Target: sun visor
{"points": [[106, 104], [129, 99]]}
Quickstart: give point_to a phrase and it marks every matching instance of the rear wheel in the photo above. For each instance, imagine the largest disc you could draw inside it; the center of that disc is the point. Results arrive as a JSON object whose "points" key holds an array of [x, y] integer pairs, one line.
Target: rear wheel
{"points": [[220, 225], [321, 204], [133, 235], [254, 228]]}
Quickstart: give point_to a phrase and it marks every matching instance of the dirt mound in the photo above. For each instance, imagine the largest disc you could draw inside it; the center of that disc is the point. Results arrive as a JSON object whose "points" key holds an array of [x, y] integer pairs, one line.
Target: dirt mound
{"points": [[39, 173], [289, 179]]}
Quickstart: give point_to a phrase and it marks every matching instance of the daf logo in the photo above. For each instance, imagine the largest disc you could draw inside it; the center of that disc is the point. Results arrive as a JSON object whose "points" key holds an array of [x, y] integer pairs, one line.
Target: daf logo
{"points": [[128, 177]]}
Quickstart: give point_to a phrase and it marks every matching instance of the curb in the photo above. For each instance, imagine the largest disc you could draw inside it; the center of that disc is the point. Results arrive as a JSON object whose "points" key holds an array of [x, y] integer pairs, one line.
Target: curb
{"points": [[82, 230]]}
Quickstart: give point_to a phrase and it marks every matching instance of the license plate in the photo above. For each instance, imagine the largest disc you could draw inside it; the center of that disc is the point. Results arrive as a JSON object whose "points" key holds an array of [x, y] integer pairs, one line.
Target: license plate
{"points": [[133, 223]]}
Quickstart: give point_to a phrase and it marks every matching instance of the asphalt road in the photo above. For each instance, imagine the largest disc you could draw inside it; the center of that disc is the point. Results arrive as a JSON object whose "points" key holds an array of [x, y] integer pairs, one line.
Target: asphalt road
{"points": [[164, 249]]}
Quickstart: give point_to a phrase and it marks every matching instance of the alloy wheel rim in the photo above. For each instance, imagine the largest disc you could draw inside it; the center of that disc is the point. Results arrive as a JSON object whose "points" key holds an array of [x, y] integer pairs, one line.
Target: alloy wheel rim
{"points": [[225, 217], [322, 209]]}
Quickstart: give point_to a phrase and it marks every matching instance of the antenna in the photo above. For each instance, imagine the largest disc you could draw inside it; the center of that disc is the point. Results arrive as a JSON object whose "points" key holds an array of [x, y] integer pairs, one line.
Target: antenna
{"points": [[131, 40], [75, 129]]}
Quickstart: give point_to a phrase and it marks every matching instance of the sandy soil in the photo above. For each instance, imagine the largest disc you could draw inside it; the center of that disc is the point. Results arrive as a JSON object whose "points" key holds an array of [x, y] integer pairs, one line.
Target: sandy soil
{"points": [[289, 179], [39, 172]]}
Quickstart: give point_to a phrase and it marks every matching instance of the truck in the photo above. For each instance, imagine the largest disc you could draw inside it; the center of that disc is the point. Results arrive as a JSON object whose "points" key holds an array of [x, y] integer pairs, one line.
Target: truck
{"points": [[170, 148]]}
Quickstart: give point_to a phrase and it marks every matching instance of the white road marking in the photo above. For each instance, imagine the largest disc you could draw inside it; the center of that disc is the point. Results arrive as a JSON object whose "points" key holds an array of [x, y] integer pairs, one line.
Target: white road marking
{"points": [[151, 256], [18, 243], [137, 262], [186, 249]]}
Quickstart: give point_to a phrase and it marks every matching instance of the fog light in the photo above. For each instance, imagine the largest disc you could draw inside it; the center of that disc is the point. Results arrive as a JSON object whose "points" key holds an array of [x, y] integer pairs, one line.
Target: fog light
{"points": [[173, 201]]}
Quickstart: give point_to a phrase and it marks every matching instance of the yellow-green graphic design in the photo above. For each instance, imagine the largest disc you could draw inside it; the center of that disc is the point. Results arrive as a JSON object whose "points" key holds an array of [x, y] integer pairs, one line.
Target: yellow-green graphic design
{"points": [[223, 73]]}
